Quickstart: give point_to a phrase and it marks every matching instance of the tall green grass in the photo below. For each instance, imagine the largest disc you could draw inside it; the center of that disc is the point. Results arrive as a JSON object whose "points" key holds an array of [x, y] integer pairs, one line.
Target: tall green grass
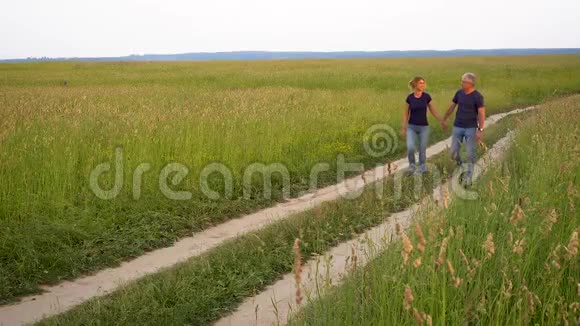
{"points": [[295, 112], [511, 256]]}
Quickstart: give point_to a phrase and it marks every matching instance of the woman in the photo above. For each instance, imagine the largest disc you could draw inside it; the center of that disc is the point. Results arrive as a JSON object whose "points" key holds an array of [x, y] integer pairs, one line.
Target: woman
{"points": [[415, 124]]}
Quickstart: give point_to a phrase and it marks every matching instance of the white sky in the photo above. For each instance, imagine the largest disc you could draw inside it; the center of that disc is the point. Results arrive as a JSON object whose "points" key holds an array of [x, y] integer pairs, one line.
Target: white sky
{"points": [[65, 28]]}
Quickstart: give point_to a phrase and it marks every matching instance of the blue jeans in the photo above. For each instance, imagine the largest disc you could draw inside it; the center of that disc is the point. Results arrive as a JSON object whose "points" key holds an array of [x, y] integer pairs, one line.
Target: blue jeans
{"points": [[414, 133], [466, 135]]}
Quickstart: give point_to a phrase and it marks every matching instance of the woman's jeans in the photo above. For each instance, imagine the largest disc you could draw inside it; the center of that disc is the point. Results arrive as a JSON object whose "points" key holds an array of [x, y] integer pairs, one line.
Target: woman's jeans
{"points": [[420, 133], [466, 135]]}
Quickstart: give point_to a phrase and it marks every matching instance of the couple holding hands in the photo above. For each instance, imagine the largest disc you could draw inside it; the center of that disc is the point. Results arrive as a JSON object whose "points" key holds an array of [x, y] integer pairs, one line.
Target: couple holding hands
{"points": [[467, 128]]}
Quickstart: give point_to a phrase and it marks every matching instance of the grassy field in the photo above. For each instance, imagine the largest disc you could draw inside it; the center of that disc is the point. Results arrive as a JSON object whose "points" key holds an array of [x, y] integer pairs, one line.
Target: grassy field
{"points": [[509, 258], [206, 288], [298, 113]]}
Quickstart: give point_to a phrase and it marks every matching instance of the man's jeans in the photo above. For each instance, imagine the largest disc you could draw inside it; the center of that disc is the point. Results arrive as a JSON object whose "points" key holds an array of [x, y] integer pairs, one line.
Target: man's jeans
{"points": [[466, 135], [414, 133]]}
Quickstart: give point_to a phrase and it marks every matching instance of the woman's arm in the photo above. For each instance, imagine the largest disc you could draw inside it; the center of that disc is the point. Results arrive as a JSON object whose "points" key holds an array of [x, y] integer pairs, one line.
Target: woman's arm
{"points": [[405, 120], [434, 112]]}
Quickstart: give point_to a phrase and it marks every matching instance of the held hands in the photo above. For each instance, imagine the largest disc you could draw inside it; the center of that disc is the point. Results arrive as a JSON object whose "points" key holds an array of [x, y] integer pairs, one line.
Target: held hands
{"points": [[444, 125]]}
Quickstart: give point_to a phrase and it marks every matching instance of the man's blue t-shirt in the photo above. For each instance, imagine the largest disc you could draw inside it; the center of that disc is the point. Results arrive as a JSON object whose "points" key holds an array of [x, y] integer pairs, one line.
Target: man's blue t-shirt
{"points": [[468, 105], [418, 109]]}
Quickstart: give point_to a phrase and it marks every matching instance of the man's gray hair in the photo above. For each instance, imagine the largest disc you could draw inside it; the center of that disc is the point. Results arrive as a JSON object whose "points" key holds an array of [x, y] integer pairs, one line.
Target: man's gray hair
{"points": [[469, 77]]}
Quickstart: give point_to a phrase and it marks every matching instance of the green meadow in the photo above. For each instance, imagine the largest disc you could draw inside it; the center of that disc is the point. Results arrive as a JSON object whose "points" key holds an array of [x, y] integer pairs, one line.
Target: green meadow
{"points": [[58, 121]]}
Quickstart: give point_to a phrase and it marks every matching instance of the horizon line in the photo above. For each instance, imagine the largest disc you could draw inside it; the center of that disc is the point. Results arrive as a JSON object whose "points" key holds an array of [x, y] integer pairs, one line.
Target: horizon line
{"points": [[314, 54]]}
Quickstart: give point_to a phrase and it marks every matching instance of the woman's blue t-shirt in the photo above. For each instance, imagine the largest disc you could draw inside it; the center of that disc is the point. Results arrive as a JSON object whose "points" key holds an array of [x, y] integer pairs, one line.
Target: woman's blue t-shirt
{"points": [[418, 109]]}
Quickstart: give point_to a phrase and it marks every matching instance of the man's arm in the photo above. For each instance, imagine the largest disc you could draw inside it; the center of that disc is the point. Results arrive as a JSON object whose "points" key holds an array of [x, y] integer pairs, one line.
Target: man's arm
{"points": [[480, 123], [449, 112], [481, 117]]}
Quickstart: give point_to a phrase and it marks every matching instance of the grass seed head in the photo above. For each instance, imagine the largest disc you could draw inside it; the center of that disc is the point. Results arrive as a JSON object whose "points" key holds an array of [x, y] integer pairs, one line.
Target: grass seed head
{"points": [[298, 270], [451, 232], [507, 292], [408, 298], [442, 252], [519, 247], [407, 248], [457, 282], [420, 237], [407, 245], [450, 268], [532, 300], [504, 184], [418, 317], [464, 259], [550, 220], [489, 246], [517, 215], [354, 258], [428, 319], [571, 195], [445, 197], [417, 262], [460, 232], [572, 247], [483, 146]]}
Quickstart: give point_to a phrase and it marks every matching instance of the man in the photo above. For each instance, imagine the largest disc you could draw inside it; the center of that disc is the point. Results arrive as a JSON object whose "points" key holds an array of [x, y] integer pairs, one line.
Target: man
{"points": [[469, 122]]}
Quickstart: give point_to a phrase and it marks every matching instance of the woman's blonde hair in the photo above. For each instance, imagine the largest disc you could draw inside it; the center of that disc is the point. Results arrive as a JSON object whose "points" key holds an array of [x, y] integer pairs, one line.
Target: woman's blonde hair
{"points": [[413, 83]]}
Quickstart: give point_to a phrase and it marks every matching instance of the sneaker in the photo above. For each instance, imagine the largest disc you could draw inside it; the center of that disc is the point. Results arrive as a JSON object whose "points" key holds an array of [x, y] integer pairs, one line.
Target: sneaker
{"points": [[465, 180], [468, 180]]}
